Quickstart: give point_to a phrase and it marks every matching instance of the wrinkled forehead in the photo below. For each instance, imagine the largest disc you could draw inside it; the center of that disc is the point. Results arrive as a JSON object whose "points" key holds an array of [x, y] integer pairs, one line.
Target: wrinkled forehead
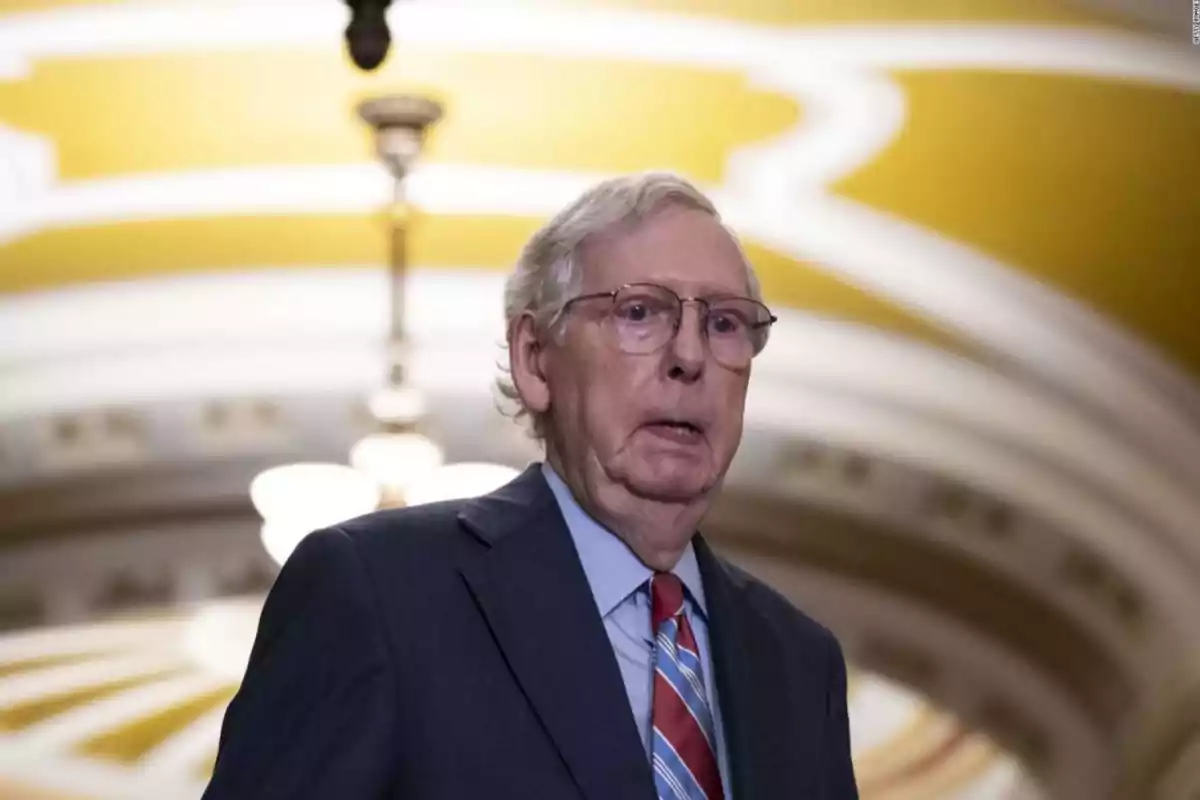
{"points": [[684, 249]]}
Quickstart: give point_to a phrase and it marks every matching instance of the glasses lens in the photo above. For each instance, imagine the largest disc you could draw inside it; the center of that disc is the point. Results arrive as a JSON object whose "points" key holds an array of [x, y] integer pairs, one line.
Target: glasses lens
{"points": [[644, 317], [737, 330]]}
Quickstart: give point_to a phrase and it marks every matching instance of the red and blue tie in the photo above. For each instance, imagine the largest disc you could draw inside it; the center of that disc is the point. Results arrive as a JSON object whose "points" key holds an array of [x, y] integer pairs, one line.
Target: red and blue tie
{"points": [[683, 749]]}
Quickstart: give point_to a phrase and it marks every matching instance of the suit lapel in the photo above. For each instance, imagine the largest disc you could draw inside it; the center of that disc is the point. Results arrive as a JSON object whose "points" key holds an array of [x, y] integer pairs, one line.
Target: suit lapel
{"points": [[535, 597], [752, 677]]}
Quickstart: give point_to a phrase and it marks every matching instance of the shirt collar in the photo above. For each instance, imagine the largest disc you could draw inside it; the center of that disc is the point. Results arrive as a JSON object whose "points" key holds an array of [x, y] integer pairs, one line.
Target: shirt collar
{"points": [[612, 569]]}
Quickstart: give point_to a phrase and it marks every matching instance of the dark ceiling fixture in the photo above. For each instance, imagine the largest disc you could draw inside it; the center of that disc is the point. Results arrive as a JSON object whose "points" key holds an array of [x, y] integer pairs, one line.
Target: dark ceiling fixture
{"points": [[367, 35]]}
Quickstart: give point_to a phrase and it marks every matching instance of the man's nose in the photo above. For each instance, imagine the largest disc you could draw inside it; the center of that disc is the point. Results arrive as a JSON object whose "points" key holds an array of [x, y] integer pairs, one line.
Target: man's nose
{"points": [[688, 352]]}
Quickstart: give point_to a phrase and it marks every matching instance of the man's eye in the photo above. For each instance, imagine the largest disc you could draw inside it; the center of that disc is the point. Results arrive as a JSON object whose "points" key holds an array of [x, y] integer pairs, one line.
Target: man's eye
{"points": [[639, 310], [725, 322], [635, 312]]}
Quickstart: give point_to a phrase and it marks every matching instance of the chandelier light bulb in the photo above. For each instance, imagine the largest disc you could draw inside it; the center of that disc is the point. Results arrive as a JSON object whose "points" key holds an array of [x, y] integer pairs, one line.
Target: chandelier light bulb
{"points": [[296, 499], [398, 405], [396, 460], [455, 481]]}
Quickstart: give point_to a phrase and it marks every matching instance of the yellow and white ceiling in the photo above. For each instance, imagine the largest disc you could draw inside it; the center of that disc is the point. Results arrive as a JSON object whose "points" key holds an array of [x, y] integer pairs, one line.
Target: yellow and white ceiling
{"points": [[978, 221]]}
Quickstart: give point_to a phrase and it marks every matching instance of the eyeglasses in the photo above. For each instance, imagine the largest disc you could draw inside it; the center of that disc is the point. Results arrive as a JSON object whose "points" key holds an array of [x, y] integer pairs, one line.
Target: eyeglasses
{"points": [[644, 317]]}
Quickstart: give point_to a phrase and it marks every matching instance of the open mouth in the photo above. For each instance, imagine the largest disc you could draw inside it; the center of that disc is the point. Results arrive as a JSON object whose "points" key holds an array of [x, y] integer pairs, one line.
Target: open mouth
{"points": [[682, 425], [676, 429]]}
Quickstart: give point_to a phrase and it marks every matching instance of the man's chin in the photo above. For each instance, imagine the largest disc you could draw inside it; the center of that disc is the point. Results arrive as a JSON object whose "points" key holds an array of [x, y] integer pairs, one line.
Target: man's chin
{"points": [[667, 486]]}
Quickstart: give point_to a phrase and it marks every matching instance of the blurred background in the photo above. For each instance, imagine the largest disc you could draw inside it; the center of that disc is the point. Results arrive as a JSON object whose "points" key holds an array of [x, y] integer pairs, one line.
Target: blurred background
{"points": [[972, 445]]}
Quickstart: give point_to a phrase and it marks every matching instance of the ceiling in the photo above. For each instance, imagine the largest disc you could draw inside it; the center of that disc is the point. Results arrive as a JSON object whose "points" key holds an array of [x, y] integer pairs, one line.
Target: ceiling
{"points": [[137, 148], [1168, 16]]}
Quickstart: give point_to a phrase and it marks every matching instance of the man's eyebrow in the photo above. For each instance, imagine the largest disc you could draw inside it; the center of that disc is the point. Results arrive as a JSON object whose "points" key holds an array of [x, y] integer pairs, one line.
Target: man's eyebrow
{"points": [[710, 290]]}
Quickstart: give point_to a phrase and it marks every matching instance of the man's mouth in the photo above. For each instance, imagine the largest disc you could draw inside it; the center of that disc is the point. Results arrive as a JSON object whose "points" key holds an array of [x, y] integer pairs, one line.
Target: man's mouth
{"points": [[676, 430]]}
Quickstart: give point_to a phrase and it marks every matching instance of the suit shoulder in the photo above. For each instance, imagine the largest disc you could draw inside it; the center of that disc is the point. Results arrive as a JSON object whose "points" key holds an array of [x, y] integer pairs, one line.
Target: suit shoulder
{"points": [[778, 609], [413, 535]]}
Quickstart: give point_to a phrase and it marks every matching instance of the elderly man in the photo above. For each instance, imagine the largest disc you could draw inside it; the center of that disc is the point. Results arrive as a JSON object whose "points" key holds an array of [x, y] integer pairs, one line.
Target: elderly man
{"points": [[570, 635]]}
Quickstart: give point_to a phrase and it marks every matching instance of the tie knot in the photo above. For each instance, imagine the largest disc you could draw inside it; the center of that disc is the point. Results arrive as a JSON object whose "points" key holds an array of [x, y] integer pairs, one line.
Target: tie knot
{"points": [[666, 597]]}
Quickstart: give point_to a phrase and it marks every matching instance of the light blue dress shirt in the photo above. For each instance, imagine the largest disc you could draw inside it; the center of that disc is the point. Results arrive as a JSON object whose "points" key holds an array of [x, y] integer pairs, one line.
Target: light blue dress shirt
{"points": [[618, 581]]}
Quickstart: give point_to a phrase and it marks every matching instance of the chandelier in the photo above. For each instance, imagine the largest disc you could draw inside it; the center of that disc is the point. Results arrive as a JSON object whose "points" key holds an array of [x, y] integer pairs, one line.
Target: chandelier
{"points": [[395, 465]]}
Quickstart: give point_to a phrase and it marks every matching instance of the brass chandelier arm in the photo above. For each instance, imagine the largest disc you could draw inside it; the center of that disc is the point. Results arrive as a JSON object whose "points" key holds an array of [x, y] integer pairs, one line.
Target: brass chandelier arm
{"points": [[397, 275]]}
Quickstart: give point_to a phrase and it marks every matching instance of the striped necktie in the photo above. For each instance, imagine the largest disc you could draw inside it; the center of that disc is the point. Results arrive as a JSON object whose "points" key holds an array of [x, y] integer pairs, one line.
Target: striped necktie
{"points": [[683, 749]]}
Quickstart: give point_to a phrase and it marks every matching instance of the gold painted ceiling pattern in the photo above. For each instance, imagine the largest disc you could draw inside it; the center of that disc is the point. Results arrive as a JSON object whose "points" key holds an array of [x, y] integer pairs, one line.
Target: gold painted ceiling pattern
{"points": [[789, 12], [1080, 181], [132, 708]]}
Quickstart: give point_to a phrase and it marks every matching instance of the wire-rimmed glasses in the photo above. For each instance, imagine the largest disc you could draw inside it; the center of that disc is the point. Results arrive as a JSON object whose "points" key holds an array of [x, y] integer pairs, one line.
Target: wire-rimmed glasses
{"points": [[645, 316]]}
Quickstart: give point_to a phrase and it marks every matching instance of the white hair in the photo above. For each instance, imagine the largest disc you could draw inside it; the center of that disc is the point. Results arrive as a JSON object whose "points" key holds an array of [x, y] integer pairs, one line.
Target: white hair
{"points": [[549, 271]]}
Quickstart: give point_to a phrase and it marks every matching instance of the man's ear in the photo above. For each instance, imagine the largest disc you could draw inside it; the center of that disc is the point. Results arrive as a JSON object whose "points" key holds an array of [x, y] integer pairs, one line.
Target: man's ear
{"points": [[525, 357]]}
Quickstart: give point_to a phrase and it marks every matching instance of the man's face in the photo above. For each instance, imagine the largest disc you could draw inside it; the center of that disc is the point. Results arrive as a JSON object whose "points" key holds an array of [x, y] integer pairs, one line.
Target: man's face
{"points": [[616, 416]]}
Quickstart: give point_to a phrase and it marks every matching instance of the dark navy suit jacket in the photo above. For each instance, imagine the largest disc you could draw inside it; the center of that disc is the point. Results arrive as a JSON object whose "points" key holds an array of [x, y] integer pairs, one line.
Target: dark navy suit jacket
{"points": [[454, 651]]}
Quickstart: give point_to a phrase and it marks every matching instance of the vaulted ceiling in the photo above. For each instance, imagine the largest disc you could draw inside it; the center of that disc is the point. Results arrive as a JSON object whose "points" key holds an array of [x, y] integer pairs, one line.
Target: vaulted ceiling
{"points": [[1076, 176]]}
